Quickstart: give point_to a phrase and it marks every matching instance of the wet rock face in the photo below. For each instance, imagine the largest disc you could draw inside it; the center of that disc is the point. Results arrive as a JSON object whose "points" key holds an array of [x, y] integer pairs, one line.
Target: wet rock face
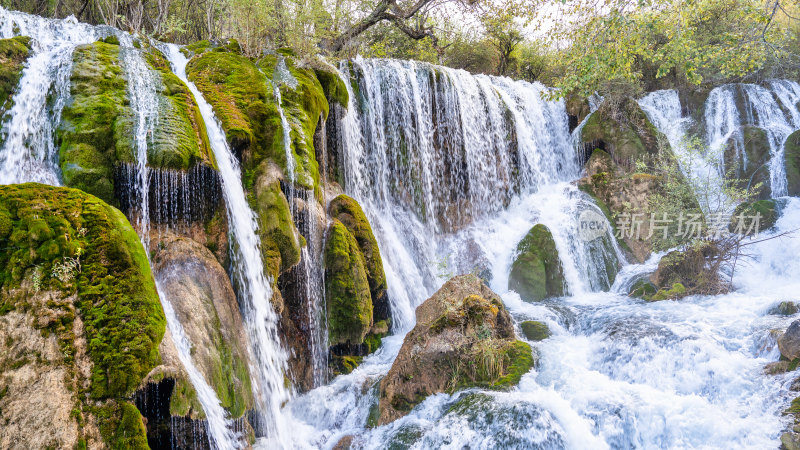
{"points": [[200, 292], [13, 53], [464, 337], [789, 341], [536, 273], [792, 161]]}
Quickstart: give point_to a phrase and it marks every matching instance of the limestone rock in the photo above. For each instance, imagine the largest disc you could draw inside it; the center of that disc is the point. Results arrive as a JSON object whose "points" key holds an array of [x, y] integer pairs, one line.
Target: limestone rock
{"points": [[789, 341]]}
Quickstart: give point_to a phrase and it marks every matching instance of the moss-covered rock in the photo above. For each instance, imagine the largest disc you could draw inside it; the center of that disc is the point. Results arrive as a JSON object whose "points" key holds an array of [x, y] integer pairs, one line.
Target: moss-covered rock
{"points": [[346, 288], [626, 134], [95, 129], [179, 141], [534, 330], [470, 321], [754, 217], [280, 241], [687, 272], [749, 164], [349, 212], [333, 86], [536, 272], [642, 288], [792, 163], [75, 268], [13, 54], [241, 92]]}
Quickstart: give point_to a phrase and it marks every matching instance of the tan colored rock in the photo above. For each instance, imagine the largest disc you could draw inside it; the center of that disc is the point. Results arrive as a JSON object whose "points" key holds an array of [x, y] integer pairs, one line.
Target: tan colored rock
{"points": [[464, 337]]}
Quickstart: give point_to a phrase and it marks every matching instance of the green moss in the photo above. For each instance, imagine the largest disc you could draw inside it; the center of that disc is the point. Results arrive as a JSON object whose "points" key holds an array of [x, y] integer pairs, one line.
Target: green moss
{"points": [[536, 272], [346, 288], [96, 124], [791, 159], [374, 415], [13, 53], [333, 86], [349, 212], [183, 402], [521, 357], [342, 365], [676, 291], [121, 426], [643, 288], [116, 294], [180, 140], [767, 212], [794, 408], [631, 139], [535, 330], [279, 239]]}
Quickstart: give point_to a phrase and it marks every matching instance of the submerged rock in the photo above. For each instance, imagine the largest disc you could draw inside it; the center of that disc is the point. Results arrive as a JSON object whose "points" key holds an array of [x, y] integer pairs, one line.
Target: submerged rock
{"points": [[785, 309], [464, 337], [536, 273], [80, 321], [534, 330]]}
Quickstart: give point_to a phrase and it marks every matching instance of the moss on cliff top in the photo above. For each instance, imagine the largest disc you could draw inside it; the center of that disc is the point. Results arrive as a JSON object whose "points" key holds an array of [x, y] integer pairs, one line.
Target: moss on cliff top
{"points": [[95, 124], [13, 53]]}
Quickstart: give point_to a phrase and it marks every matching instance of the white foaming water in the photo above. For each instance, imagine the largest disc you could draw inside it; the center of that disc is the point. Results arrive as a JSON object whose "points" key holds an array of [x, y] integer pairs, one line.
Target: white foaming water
{"points": [[268, 359], [29, 152]]}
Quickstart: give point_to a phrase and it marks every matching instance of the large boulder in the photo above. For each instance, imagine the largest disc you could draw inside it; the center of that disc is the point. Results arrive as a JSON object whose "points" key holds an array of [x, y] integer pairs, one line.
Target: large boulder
{"points": [[80, 321], [200, 292], [464, 337], [791, 157], [536, 273], [13, 53], [623, 130], [789, 342]]}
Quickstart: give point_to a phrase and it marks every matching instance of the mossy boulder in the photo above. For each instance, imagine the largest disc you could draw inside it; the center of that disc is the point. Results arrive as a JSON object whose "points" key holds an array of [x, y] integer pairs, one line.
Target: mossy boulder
{"points": [[13, 54], [350, 214], [623, 131], [687, 272], [642, 288], [747, 159], [280, 241], [333, 86], [755, 217], [346, 288], [534, 330], [792, 163], [536, 272], [95, 129], [74, 277], [464, 338]]}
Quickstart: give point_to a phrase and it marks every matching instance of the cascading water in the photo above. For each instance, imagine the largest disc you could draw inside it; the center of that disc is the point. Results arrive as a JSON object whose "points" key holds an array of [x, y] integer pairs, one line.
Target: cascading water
{"points": [[29, 152], [773, 108], [267, 356]]}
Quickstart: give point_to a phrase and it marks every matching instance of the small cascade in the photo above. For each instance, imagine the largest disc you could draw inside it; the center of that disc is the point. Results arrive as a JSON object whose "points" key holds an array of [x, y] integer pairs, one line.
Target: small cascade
{"points": [[723, 123], [29, 152], [268, 358], [705, 174]]}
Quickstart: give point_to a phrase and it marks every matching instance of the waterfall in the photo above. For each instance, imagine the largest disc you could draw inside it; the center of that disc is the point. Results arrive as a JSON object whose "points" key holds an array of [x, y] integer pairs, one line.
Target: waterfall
{"points": [[773, 108], [29, 152], [268, 359], [448, 151]]}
